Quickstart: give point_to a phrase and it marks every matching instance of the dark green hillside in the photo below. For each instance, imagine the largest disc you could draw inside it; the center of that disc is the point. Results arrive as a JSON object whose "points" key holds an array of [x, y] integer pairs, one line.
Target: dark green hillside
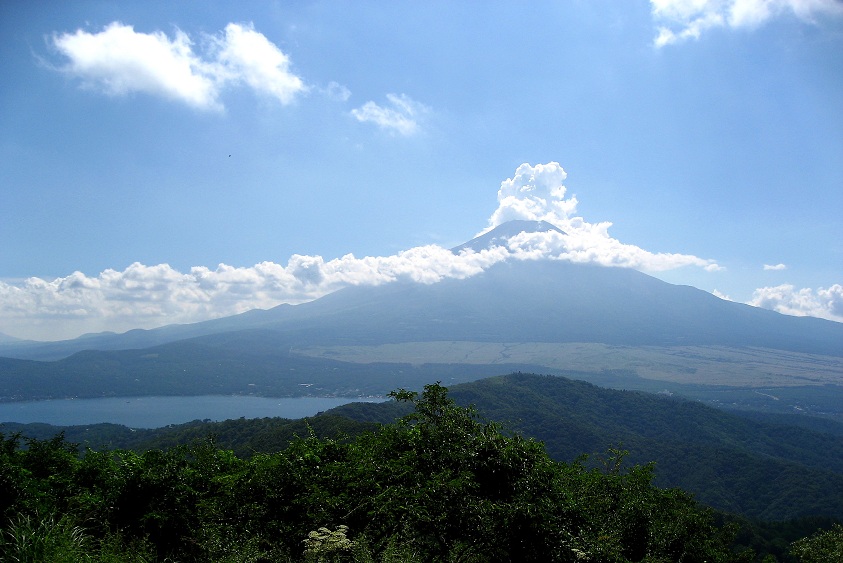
{"points": [[756, 468], [822, 425], [768, 471], [761, 469], [441, 484], [245, 437], [529, 400]]}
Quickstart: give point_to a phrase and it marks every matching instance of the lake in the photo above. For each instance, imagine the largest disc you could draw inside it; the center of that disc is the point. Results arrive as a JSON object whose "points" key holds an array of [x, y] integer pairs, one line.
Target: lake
{"points": [[155, 412]]}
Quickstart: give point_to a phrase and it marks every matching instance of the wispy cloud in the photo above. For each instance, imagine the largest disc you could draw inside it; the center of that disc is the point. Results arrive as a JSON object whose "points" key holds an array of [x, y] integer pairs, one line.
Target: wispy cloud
{"points": [[679, 20], [401, 116], [142, 296], [336, 91], [776, 267], [119, 60], [825, 303]]}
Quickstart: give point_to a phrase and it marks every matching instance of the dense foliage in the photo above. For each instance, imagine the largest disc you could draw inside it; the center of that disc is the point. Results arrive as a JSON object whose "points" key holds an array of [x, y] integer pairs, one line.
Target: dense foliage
{"points": [[767, 471], [821, 547], [244, 436], [439, 485]]}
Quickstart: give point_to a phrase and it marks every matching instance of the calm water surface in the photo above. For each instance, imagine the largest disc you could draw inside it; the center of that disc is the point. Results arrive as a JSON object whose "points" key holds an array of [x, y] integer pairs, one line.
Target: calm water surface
{"points": [[155, 412]]}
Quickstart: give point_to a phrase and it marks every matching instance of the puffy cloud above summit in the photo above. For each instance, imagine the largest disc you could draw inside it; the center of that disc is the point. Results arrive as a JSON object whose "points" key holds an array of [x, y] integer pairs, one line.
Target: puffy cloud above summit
{"points": [[687, 19], [537, 193], [119, 60], [534, 193]]}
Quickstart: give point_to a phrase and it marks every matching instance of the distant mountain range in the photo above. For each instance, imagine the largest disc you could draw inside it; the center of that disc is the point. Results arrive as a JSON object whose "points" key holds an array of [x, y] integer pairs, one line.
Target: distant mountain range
{"points": [[5, 338], [591, 313]]}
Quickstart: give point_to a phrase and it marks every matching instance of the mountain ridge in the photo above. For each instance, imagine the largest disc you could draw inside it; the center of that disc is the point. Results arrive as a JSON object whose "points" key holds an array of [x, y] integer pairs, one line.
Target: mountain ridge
{"points": [[587, 303]]}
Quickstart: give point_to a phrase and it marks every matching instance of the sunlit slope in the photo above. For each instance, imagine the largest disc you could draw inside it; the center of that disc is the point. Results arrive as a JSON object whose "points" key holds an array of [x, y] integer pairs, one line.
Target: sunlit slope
{"points": [[549, 301]]}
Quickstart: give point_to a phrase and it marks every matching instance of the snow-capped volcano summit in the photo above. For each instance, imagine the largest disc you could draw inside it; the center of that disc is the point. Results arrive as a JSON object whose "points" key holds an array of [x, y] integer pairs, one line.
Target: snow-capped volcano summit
{"points": [[503, 232]]}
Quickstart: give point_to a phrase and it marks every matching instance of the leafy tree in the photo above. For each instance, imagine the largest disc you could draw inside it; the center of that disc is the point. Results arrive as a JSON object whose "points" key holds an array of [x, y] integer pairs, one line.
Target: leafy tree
{"points": [[822, 547]]}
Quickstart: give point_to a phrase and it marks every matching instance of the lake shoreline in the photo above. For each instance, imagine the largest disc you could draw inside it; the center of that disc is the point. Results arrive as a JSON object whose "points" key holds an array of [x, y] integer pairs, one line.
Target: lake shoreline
{"points": [[152, 411]]}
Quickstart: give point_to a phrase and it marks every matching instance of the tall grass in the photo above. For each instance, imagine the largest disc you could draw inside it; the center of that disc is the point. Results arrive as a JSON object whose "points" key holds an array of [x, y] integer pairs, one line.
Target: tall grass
{"points": [[34, 539], [30, 539]]}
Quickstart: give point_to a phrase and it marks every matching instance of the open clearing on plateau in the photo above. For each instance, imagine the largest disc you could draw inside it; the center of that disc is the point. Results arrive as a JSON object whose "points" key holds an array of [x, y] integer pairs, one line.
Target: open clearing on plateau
{"points": [[701, 365]]}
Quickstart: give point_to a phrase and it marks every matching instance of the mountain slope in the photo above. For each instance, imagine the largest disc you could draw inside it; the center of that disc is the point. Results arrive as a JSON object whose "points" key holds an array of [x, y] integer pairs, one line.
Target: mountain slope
{"points": [[551, 301], [512, 301]]}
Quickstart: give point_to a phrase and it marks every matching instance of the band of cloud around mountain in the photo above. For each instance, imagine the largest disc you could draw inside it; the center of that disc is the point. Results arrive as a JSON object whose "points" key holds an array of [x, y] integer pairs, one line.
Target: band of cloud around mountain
{"points": [[142, 296]]}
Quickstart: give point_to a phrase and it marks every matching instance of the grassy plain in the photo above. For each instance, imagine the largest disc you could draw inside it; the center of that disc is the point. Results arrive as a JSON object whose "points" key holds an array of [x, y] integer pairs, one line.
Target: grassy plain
{"points": [[689, 365], [748, 379]]}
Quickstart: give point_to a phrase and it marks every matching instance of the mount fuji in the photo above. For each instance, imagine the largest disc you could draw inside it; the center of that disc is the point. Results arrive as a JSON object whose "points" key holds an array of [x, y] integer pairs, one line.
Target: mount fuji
{"points": [[545, 314]]}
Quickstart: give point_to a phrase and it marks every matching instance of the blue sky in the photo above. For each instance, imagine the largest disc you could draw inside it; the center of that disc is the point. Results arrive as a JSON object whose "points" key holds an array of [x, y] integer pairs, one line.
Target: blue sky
{"points": [[170, 162]]}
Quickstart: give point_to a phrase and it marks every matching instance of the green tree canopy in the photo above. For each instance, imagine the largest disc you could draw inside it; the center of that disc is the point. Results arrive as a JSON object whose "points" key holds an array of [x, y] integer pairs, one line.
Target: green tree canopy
{"points": [[441, 484]]}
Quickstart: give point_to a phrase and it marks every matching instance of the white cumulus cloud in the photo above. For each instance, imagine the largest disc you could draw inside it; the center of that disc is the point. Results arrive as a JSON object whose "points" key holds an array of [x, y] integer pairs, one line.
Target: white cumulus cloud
{"points": [[248, 56], [679, 20], [119, 60], [148, 296], [825, 303], [401, 116], [537, 193], [774, 267]]}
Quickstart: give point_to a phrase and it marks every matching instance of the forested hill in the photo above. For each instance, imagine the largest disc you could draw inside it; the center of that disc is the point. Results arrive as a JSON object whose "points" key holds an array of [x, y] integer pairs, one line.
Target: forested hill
{"points": [[441, 484], [767, 470], [763, 470], [759, 469], [245, 437]]}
